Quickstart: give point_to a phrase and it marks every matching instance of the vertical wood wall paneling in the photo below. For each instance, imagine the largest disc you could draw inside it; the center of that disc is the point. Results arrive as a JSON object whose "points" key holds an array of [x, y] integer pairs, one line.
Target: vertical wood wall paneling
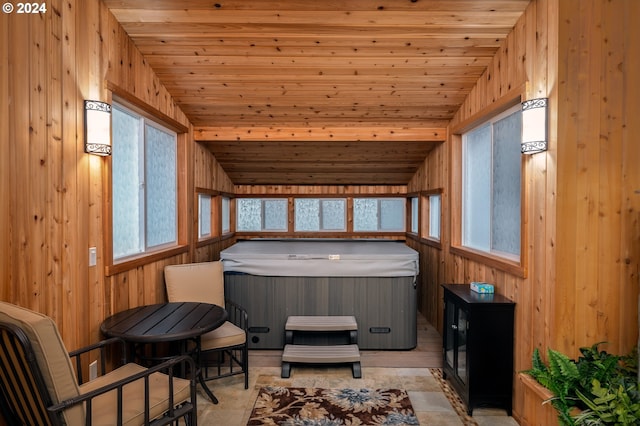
{"points": [[583, 231], [127, 69], [18, 152], [54, 207], [74, 181], [5, 162], [37, 159], [630, 175], [55, 72]]}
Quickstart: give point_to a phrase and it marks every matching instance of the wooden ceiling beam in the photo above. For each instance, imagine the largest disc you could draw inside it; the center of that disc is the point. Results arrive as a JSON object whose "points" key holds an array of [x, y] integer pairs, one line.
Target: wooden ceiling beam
{"points": [[389, 133]]}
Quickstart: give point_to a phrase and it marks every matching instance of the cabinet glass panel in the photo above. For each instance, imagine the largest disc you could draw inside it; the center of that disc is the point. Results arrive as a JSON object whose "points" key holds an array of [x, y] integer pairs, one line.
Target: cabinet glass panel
{"points": [[462, 345], [450, 338]]}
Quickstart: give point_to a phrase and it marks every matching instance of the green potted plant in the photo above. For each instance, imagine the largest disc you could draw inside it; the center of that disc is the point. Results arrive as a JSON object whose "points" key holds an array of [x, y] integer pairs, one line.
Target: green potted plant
{"points": [[598, 388]]}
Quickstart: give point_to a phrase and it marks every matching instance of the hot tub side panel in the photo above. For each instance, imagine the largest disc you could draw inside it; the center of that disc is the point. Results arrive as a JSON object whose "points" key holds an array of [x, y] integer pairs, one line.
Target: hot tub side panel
{"points": [[384, 307]]}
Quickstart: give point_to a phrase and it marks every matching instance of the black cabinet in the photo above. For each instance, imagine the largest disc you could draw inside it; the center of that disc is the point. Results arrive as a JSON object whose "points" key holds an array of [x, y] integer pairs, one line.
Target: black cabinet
{"points": [[478, 346]]}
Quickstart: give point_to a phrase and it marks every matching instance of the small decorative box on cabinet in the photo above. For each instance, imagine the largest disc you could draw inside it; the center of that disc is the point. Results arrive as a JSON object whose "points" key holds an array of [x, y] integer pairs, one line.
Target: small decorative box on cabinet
{"points": [[477, 346]]}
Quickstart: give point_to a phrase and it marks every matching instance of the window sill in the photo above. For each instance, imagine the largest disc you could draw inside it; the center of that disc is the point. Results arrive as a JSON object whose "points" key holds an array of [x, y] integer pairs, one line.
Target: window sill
{"points": [[144, 259], [509, 266], [431, 242]]}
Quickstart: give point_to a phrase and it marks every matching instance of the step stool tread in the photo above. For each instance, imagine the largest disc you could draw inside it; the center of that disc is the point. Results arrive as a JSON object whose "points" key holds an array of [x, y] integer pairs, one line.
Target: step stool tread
{"points": [[321, 354], [321, 323]]}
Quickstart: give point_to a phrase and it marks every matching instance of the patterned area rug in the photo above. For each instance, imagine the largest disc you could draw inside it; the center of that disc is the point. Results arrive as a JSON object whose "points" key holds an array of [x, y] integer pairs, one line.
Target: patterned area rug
{"points": [[453, 398], [332, 407]]}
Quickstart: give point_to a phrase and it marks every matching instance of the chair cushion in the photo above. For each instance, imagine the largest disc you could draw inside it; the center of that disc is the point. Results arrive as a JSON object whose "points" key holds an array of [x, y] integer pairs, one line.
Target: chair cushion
{"points": [[224, 336], [104, 412], [205, 282], [51, 355]]}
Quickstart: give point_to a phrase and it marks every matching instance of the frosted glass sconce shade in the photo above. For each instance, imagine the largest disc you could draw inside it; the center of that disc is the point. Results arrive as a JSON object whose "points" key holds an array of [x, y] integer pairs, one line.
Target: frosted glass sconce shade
{"points": [[534, 126], [97, 128]]}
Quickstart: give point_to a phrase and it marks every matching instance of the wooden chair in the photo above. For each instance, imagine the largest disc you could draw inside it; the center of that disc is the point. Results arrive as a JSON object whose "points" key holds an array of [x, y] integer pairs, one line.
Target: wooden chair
{"points": [[204, 282], [39, 385]]}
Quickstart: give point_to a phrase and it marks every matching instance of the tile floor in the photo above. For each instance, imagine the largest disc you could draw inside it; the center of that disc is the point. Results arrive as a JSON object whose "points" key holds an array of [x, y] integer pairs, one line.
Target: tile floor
{"points": [[407, 370], [429, 402]]}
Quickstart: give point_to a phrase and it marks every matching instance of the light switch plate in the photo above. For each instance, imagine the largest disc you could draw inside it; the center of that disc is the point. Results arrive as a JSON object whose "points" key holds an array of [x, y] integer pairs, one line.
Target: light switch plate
{"points": [[92, 256]]}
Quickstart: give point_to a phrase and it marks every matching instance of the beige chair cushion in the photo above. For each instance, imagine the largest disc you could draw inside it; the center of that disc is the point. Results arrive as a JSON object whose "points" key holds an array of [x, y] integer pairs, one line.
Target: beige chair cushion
{"points": [[205, 282], [103, 412], [51, 355], [226, 335]]}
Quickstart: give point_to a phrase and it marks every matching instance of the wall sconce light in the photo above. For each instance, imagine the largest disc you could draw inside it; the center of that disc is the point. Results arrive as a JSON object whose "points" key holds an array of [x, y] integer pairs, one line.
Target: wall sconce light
{"points": [[534, 126], [97, 127]]}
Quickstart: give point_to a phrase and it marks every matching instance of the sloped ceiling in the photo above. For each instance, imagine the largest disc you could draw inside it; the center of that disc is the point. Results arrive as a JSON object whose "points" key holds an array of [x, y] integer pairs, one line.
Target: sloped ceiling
{"points": [[319, 92]]}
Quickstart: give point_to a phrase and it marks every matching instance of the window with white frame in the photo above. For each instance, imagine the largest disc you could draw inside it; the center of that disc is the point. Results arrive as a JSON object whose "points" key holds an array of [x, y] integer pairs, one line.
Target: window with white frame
{"points": [[379, 214], [320, 214], [144, 184], [204, 216], [491, 186], [225, 215], [261, 214]]}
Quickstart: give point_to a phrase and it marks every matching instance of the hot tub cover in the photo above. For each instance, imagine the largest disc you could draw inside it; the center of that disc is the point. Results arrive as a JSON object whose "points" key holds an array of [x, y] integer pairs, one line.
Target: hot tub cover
{"points": [[321, 258]]}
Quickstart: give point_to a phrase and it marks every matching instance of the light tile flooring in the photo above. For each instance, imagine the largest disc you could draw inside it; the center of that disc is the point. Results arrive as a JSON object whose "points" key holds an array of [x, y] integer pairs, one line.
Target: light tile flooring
{"points": [[407, 370], [429, 402]]}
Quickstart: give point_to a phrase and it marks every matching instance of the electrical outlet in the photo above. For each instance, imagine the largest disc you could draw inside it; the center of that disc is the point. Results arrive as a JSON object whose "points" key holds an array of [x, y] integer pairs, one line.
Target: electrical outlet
{"points": [[93, 370]]}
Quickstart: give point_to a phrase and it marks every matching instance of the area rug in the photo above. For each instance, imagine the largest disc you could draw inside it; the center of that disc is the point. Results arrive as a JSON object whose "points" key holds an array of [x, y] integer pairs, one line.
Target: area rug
{"points": [[332, 407], [454, 399]]}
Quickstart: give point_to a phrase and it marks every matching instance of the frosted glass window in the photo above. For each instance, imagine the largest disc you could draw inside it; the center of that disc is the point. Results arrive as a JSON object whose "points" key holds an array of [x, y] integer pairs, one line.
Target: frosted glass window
{"points": [[434, 216], [491, 196], [333, 214], [378, 214], [161, 152], [312, 214], [505, 201], [365, 214], [414, 215], [249, 214], [307, 214], [226, 218], [144, 184], [127, 178], [204, 215], [275, 215], [392, 214], [257, 214]]}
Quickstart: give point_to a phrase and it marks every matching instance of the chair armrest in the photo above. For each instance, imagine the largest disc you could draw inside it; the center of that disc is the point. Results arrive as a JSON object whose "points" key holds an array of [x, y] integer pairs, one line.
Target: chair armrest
{"points": [[167, 367], [237, 314], [101, 346]]}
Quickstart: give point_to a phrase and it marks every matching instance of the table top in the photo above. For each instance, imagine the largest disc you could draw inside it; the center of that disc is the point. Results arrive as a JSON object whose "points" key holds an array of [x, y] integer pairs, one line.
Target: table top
{"points": [[164, 322], [464, 292]]}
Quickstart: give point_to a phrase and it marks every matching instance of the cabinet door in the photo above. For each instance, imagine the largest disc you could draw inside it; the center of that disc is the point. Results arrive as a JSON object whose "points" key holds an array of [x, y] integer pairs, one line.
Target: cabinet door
{"points": [[461, 328], [450, 338]]}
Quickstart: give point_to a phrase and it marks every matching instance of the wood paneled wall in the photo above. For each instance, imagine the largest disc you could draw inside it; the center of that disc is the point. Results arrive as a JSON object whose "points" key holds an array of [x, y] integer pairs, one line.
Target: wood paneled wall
{"points": [[582, 211], [53, 194], [400, 190]]}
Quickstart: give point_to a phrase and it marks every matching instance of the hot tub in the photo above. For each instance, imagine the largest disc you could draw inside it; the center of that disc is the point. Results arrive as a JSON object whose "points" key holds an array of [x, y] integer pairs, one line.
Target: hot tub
{"points": [[373, 280]]}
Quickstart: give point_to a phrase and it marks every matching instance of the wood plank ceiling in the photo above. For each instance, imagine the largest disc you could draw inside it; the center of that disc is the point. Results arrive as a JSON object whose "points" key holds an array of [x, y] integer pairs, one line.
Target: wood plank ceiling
{"points": [[318, 92]]}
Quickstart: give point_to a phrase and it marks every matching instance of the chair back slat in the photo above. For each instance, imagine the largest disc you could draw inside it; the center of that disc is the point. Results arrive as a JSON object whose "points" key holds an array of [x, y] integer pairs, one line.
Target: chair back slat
{"points": [[24, 393]]}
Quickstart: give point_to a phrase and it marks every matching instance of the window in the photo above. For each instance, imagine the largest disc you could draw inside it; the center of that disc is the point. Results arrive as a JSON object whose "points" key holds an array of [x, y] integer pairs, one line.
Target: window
{"points": [[491, 186], [434, 216], [257, 214], [312, 214], [144, 184], [379, 214], [204, 216], [414, 214], [226, 218]]}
